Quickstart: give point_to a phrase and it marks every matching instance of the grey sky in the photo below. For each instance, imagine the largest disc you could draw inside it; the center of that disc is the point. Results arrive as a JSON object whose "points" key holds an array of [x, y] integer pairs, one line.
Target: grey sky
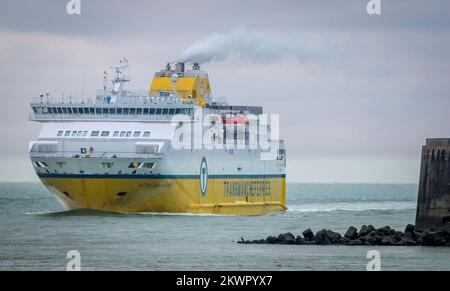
{"points": [[357, 113]]}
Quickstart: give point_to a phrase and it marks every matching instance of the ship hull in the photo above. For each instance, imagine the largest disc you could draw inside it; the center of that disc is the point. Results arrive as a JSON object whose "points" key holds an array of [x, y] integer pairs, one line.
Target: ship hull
{"points": [[224, 194]]}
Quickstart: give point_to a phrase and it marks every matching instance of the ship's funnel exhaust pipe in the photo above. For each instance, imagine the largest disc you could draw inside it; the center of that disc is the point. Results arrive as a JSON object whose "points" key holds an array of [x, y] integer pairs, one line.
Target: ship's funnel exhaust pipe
{"points": [[180, 67]]}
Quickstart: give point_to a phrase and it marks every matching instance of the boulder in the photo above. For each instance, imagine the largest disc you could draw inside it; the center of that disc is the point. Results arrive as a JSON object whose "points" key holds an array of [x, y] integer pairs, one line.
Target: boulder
{"points": [[410, 228], [355, 242], [386, 230], [369, 240], [334, 237], [343, 241], [322, 238], [388, 241], [286, 238], [272, 240], [351, 233], [365, 230], [408, 242], [299, 240], [308, 234]]}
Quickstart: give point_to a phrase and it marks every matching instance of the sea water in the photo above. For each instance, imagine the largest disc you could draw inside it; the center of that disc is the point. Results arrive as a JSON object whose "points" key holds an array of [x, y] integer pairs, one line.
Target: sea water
{"points": [[36, 234]]}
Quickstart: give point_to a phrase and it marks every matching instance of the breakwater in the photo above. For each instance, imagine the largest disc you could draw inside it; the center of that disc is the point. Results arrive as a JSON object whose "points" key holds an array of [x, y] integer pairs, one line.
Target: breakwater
{"points": [[367, 235]]}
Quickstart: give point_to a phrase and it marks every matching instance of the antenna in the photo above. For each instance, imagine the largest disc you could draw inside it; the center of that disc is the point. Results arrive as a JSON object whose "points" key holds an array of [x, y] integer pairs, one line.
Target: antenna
{"points": [[105, 80]]}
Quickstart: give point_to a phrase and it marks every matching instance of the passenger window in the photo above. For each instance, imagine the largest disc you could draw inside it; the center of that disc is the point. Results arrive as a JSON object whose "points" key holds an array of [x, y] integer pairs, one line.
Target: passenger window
{"points": [[74, 133], [85, 133], [128, 133], [67, 133], [134, 165], [79, 133], [148, 165]]}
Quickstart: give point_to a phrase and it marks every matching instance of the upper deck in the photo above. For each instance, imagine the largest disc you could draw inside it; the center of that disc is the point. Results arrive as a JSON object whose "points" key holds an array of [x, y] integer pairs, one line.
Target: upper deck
{"points": [[173, 91]]}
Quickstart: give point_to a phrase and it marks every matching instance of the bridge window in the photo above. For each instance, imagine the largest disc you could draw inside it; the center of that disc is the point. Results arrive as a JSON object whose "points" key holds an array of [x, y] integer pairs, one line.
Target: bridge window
{"points": [[59, 110], [165, 111], [64, 110], [105, 133], [139, 111], [178, 111], [158, 111], [60, 133], [126, 111], [122, 133], [171, 111], [80, 111], [146, 133], [91, 110], [112, 111], [79, 133], [86, 110], [67, 133], [128, 134], [115, 134], [119, 110], [95, 133], [74, 110], [85, 133], [74, 133], [98, 111], [137, 134], [105, 111], [152, 111], [145, 111], [132, 111]]}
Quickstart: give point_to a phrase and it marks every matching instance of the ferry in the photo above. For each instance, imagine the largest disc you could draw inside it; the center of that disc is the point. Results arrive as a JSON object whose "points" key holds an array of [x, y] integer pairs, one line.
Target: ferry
{"points": [[123, 152]]}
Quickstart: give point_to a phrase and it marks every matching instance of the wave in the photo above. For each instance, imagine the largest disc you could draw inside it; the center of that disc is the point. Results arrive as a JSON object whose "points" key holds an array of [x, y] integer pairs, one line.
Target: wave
{"points": [[353, 206], [95, 212]]}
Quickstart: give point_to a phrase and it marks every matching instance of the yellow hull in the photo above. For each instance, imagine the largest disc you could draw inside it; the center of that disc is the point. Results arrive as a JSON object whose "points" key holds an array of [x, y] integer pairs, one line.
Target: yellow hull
{"points": [[230, 196]]}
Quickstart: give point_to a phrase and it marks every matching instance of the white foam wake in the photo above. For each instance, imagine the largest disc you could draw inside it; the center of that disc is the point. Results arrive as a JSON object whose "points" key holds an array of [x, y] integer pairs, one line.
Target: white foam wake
{"points": [[352, 206]]}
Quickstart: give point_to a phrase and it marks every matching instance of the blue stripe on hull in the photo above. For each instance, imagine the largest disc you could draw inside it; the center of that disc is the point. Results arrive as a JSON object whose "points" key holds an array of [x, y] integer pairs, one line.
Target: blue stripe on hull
{"points": [[137, 176]]}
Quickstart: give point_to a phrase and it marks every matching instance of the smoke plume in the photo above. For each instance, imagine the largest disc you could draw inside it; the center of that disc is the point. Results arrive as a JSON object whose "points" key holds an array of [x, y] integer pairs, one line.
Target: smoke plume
{"points": [[244, 45]]}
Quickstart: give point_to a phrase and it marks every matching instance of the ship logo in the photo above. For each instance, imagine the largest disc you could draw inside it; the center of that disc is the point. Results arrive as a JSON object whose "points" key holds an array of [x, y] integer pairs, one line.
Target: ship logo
{"points": [[203, 176]]}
